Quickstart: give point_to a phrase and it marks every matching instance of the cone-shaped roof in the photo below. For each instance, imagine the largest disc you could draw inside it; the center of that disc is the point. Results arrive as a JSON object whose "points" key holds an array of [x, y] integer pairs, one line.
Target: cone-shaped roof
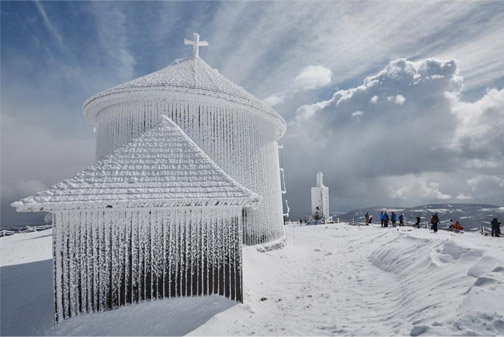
{"points": [[191, 75], [161, 168]]}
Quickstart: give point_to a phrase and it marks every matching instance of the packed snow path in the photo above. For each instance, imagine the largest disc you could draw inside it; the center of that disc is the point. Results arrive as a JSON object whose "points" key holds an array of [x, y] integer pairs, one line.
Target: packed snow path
{"points": [[338, 279], [328, 280]]}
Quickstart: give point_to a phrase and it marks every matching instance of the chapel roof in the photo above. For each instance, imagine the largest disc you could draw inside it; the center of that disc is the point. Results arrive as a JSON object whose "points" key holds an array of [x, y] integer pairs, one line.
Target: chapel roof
{"points": [[163, 167], [191, 75]]}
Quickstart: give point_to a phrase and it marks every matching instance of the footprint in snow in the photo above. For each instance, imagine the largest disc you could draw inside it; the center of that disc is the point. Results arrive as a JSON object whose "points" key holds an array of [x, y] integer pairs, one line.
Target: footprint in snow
{"points": [[419, 330]]}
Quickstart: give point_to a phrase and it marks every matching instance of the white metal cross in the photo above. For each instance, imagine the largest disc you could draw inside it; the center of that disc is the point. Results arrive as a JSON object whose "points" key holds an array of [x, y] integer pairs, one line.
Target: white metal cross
{"points": [[196, 44]]}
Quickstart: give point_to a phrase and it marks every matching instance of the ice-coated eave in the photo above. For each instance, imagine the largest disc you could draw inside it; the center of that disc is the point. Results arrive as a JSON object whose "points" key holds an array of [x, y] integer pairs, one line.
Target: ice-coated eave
{"points": [[188, 76], [163, 167], [24, 206]]}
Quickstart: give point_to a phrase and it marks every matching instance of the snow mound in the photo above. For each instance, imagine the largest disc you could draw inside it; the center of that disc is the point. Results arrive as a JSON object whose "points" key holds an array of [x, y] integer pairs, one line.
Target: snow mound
{"points": [[450, 280]]}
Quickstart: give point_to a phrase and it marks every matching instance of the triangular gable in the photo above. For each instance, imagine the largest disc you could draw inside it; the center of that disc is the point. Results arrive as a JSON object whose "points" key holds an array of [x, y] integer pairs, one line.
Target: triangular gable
{"points": [[161, 168]]}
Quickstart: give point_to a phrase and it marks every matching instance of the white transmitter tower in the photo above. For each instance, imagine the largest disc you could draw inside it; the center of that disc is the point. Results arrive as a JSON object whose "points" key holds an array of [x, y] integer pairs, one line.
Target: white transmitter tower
{"points": [[320, 200]]}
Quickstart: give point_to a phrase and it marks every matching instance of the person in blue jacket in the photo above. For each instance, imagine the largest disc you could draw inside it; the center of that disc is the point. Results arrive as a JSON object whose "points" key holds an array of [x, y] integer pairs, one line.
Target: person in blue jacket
{"points": [[393, 217], [401, 220], [382, 218]]}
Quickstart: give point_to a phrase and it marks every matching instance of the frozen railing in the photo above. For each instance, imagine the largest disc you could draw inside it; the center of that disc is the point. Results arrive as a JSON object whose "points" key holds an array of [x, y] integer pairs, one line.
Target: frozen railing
{"points": [[287, 208], [24, 229], [282, 175]]}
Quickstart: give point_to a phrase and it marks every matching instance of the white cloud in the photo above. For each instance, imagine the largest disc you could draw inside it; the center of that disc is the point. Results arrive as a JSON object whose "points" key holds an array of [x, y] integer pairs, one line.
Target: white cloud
{"points": [[313, 77], [310, 78], [410, 186], [480, 131], [274, 100], [399, 100], [357, 114], [432, 190], [463, 197]]}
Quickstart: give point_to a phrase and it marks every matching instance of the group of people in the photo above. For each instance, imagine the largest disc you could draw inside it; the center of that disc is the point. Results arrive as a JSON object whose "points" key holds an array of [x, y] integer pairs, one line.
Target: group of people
{"points": [[434, 221], [385, 218]]}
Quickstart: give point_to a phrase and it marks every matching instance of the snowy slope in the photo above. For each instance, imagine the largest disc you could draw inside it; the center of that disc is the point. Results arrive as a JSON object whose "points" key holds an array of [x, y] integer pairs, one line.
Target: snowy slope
{"points": [[329, 279]]}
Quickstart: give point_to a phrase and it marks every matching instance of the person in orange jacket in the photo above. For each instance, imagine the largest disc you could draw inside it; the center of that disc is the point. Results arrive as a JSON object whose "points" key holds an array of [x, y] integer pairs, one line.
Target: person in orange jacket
{"points": [[457, 226]]}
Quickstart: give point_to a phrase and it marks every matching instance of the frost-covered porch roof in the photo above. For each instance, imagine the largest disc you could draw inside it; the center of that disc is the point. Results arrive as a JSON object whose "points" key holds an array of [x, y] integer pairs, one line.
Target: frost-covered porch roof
{"points": [[161, 168]]}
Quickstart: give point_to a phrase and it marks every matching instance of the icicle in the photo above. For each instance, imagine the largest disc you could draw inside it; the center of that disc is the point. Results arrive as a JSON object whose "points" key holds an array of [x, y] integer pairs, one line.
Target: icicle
{"points": [[134, 256], [165, 255], [82, 257], [105, 277], [58, 265], [171, 246], [143, 255], [201, 252], [117, 243], [89, 259], [148, 255]]}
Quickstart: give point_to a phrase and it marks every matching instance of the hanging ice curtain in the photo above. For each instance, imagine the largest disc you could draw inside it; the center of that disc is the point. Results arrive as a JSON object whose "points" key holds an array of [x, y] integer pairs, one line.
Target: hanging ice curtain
{"points": [[105, 259]]}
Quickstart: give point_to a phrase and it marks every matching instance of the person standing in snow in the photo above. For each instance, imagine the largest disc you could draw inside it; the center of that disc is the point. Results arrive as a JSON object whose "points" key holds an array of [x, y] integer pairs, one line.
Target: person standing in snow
{"points": [[495, 227], [401, 220], [393, 217], [435, 222], [385, 219], [417, 224], [367, 217], [382, 218], [370, 220]]}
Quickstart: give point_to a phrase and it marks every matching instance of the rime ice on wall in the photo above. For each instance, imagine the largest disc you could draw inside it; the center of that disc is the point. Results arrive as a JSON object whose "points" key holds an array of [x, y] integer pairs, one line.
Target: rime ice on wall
{"points": [[236, 130], [158, 218], [106, 259]]}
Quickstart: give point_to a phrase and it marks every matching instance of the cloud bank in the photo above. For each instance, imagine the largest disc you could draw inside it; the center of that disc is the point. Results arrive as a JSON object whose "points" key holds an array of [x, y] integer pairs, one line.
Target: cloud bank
{"points": [[402, 137]]}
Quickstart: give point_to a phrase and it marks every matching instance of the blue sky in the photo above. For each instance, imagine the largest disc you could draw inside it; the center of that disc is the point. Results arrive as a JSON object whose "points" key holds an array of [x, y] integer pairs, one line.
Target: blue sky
{"points": [[296, 55]]}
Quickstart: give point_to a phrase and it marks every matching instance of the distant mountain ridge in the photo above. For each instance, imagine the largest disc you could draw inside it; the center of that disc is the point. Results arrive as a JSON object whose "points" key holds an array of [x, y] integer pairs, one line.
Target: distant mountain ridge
{"points": [[469, 215]]}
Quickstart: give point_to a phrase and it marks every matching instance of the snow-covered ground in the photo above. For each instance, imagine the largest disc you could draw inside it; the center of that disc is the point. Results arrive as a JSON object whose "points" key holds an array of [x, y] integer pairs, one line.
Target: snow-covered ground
{"points": [[329, 279]]}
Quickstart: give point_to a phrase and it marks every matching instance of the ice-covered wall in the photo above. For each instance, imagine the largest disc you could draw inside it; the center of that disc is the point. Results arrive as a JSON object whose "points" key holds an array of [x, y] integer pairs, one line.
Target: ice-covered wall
{"points": [[108, 258], [242, 143]]}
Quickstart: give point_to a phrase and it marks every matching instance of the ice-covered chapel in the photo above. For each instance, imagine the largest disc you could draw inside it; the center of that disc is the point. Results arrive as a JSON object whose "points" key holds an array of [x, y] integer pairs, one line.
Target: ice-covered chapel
{"points": [[187, 170]]}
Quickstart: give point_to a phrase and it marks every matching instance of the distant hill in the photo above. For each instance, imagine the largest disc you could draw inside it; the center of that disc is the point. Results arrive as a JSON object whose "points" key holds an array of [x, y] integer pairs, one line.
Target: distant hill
{"points": [[469, 215]]}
